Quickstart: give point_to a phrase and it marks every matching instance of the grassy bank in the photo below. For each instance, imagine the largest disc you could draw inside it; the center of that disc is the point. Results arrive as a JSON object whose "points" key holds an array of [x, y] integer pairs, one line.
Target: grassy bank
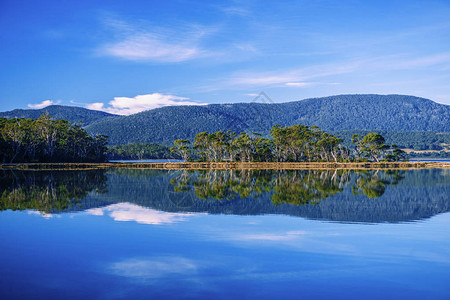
{"points": [[228, 165]]}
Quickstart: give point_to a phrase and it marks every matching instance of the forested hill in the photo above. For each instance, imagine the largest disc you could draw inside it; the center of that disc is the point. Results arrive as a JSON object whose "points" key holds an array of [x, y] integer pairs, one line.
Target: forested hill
{"points": [[72, 114], [335, 113]]}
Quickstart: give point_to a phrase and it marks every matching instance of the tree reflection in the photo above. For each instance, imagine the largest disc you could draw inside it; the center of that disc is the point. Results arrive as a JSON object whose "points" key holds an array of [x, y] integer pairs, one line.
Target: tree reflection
{"points": [[304, 187], [373, 184], [48, 191], [230, 184], [296, 187]]}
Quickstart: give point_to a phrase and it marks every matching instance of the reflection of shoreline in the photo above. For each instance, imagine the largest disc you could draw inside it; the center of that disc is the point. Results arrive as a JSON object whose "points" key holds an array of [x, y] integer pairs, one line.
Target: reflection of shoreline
{"points": [[296, 187], [232, 165], [420, 195], [340, 195], [48, 191]]}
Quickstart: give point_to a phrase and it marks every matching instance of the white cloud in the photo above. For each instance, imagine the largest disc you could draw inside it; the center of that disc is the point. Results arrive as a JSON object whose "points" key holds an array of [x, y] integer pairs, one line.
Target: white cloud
{"points": [[132, 212], [300, 77], [43, 104], [149, 48], [306, 84], [265, 79], [293, 77], [237, 11], [299, 84], [144, 42], [96, 106], [128, 106]]}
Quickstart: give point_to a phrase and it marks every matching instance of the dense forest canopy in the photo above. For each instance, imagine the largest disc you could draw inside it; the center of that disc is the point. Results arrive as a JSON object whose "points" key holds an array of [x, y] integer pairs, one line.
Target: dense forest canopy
{"points": [[48, 140], [337, 113], [297, 143], [418, 140], [140, 151], [409, 122], [406, 121]]}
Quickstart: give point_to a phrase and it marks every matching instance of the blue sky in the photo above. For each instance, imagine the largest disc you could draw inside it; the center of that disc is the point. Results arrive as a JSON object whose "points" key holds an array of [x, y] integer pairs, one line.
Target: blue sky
{"points": [[128, 56]]}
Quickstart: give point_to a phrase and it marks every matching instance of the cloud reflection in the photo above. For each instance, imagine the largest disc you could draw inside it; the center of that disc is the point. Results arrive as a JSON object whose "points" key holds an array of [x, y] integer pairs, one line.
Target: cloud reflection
{"points": [[42, 214], [152, 268], [290, 235], [132, 212]]}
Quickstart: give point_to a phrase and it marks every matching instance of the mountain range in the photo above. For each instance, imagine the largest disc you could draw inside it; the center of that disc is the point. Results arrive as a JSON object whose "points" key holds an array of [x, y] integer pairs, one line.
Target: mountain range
{"points": [[72, 114], [334, 113]]}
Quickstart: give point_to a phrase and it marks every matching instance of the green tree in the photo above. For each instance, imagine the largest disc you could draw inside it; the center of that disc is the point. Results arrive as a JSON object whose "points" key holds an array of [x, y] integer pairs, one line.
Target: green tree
{"points": [[396, 154], [182, 147], [47, 140], [371, 146]]}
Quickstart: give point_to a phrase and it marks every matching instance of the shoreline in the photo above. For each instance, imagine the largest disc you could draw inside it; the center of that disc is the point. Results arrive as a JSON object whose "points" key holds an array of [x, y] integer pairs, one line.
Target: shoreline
{"points": [[230, 165]]}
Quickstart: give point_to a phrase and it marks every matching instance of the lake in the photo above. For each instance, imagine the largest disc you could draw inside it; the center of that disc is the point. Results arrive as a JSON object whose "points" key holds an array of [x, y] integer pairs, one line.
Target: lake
{"points": [[156, 234]]}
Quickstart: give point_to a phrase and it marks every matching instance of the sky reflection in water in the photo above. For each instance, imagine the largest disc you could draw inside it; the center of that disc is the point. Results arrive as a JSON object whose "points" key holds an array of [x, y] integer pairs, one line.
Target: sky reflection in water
{"points": [[111, 246]]}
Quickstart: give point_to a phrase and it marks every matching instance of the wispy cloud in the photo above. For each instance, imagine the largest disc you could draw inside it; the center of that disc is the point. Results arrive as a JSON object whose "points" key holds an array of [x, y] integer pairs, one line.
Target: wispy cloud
{"points": [[319, 74], [148, 47], [251, 78], [155, 44], [128, 106], [406, 62], [237, 11], [299, 84], [298, 77], [138, 214], [307, 84], [247, 48], [142, 41], [43, 104]]}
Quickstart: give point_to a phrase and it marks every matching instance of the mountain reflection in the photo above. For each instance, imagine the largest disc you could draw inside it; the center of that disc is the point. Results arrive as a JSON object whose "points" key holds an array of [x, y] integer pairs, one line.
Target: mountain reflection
{"points": [[297, 187], [48, 191], [141, 194]]}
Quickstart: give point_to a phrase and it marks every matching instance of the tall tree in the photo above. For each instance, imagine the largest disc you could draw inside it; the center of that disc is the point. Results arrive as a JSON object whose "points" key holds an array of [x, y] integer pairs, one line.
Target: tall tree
{"points": [[372, 146], [182, 148]]}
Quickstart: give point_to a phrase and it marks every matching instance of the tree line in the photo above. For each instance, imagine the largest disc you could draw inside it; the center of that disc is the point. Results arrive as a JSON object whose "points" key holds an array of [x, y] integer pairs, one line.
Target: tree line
{"points": [[297, 143], [417, 140], [140, 151], [338, 113], [47, 140]]}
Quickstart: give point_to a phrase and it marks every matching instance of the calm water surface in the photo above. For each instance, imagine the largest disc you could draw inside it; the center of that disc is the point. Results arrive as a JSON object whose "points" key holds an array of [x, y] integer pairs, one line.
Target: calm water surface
{"points": [[149, 234]]}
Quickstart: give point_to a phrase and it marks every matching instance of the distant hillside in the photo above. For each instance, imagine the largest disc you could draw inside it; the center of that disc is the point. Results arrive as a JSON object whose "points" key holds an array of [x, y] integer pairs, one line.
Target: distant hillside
{"points": [[418, 140], [391, 115], [71, 113], [335, 113]]}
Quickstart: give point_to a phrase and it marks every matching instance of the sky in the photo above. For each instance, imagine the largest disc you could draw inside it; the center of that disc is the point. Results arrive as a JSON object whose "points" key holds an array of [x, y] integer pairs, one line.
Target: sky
{"points": [[128, 56]]}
